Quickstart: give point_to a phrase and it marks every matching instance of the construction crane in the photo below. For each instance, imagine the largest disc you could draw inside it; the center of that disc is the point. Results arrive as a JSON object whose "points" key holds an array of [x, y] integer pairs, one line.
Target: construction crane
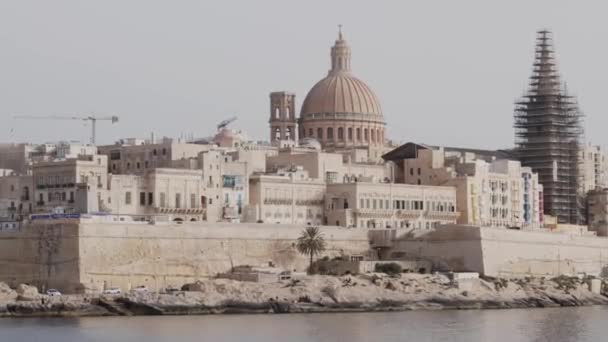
{"points": [[93, 119], [226, 122]]}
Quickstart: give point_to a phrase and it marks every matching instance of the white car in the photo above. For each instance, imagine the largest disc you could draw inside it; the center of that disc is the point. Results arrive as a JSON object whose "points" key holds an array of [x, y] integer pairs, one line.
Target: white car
{"points": [[53, 293], [112, 291]]}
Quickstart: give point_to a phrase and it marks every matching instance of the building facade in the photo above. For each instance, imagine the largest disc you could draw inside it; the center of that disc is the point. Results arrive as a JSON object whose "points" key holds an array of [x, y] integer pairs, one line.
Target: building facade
{"points": [[386, 205], [498, 193], [286, 197]]}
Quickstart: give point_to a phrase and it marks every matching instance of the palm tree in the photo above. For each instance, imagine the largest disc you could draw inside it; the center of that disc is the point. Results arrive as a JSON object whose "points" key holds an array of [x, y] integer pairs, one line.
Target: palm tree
{"points": [[311, 242]]}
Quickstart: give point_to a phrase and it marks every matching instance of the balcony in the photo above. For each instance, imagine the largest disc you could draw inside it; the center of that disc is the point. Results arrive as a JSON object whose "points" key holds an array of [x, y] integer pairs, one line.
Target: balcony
{"points": [[184, 211]]}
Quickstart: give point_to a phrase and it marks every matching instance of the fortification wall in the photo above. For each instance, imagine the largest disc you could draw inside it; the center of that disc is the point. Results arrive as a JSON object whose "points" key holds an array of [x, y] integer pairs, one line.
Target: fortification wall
{"points": [[506, 253], [43, 256], [523, 253], [90, 255]]}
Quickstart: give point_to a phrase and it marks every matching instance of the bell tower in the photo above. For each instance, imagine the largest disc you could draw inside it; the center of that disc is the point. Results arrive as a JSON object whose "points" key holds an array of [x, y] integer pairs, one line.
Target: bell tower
{"points": [[282, 116]]}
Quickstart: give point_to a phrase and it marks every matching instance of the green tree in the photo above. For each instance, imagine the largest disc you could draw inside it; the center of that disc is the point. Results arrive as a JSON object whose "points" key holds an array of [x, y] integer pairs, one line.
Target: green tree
{"points": [[311, 243]]}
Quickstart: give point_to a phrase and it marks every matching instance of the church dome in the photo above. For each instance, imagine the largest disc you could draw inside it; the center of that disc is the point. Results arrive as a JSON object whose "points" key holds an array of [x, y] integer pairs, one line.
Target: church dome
{"points": [[340, 92], [341, 111]]}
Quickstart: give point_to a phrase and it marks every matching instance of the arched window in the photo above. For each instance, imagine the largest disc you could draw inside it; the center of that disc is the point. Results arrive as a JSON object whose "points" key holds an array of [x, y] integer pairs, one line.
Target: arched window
{"points": [[330, 133], [340, 133], [288, 133], [358, 134], [320, 133], [277, 133], [373, 131], [310, 134], [350, 133], [277, 113], [365, 135]]}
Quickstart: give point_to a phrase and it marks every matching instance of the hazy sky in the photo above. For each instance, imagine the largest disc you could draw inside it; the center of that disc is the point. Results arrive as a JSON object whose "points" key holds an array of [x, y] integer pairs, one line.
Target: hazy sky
{"points": [[446, 72]]}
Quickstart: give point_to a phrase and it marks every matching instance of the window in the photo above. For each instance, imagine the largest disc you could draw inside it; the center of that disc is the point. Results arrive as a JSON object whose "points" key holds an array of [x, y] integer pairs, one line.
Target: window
{"points": [[367, 203], [193, 201], [381, 204], [359, 134], [63, 196], [128, 197], [71, 196], [419, 171], [163, 201], [150, 198], [138, 165], [330, 133], [154, 152], [411, 171], [361, 203], [146, 164], [365, 135], [374, 204], [310, 132], [340, 133], [373, 133], [350, 134], [178, 200], [320, 133], [142, 198], [164, 151]]}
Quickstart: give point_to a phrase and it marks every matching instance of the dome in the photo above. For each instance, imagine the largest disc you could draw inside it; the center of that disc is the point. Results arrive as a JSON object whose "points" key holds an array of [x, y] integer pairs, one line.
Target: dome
{"points": [[341, 93], [341, 111]]}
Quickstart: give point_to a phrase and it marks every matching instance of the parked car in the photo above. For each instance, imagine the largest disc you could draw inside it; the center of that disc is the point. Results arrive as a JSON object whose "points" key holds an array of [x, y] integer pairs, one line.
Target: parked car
{"points": [[112, 291], [140, 289], [53, 293]]}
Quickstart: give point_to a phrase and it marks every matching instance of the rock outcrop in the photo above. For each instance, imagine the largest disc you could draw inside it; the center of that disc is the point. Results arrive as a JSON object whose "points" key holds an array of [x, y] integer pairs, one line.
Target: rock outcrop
{"points": [[370, 292]]}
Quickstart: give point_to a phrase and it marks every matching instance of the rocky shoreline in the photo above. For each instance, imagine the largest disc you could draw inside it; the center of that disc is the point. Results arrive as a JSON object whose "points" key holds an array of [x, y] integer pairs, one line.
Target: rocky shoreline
{"points": [[363, 293]]}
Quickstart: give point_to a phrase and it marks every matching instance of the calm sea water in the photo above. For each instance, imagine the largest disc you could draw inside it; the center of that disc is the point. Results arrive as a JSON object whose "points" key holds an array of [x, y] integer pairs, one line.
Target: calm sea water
{"points": [[564, 324]]}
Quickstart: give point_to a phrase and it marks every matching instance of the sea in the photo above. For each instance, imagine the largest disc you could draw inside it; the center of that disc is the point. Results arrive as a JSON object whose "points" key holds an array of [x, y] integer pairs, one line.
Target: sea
{"points": [[514, 325]]}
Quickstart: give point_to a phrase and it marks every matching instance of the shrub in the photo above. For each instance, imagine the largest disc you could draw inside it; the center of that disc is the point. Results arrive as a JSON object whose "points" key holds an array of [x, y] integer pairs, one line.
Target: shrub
{"points": [[388, 268]]}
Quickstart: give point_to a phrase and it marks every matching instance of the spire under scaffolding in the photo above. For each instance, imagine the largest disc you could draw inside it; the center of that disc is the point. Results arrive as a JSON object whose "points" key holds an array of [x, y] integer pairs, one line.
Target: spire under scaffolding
{"points": [[548, 132]]}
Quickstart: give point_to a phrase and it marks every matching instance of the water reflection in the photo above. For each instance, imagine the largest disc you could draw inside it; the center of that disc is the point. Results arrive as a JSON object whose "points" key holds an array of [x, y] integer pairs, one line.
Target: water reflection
{"points": [[563, 324]]}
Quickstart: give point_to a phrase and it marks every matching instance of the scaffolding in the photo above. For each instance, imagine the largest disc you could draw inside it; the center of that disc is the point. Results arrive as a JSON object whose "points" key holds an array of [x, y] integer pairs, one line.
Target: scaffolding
{"points": [[548, 134]]}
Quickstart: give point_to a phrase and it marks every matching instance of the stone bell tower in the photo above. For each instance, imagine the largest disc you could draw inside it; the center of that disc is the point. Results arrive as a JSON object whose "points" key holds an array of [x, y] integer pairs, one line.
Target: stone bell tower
{"points": [[282, 116]]}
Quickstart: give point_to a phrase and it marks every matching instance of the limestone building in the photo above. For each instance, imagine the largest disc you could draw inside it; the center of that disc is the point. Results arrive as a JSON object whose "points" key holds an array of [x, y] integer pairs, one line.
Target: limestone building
{"points": [[597, 211], [490, 192], [56, 184], [593, 168], [286, 197], [386, 205], [16, 194]]}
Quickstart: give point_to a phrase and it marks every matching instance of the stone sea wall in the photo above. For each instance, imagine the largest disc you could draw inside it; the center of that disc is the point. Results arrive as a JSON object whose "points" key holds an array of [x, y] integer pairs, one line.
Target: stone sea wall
{"points": [[505, 253], [77, 257]]}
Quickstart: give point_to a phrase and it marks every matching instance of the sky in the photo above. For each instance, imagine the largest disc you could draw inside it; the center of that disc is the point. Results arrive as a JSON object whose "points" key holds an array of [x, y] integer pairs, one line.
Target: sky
{"points": [[446, 72]]}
